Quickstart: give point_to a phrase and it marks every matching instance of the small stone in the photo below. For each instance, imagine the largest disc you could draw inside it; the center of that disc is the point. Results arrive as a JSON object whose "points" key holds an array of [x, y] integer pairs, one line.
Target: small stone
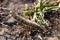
{"points": [[9, 39], [17, 35], [19, 38], [2, 38], [29, 38], [51, 38], [13, 37], [6, 35], [1, 31]]}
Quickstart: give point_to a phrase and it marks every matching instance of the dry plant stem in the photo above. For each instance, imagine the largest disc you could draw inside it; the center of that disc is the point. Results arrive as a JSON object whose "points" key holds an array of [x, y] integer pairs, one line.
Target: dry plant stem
{"points": [[5, 8], [25, 21]]}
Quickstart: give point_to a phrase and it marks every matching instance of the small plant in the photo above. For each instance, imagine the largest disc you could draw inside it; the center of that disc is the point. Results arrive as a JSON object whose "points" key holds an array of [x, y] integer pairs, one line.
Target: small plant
{"points": [[27, 12], [39, 9]]}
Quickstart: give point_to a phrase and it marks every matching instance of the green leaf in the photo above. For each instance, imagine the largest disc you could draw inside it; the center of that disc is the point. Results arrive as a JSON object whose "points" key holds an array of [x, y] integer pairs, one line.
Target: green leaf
{"points": [[54, 8], [48, 4]]}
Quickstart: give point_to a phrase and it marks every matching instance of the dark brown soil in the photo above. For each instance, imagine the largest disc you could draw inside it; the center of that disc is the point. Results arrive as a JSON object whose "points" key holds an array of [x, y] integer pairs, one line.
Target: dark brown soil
{"points": [[19, 31]]}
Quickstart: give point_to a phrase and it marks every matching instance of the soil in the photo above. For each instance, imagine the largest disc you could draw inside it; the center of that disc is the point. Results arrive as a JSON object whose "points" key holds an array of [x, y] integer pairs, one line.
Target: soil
{"points": [[19, 31]]}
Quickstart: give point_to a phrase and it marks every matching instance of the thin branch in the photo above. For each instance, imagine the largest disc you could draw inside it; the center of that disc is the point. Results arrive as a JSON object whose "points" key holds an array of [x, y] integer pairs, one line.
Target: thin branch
{"points": [[25, 21]]}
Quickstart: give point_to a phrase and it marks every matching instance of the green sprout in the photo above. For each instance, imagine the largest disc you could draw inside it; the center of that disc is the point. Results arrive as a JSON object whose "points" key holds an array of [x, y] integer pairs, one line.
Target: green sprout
{"points": [[39, 10]]}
